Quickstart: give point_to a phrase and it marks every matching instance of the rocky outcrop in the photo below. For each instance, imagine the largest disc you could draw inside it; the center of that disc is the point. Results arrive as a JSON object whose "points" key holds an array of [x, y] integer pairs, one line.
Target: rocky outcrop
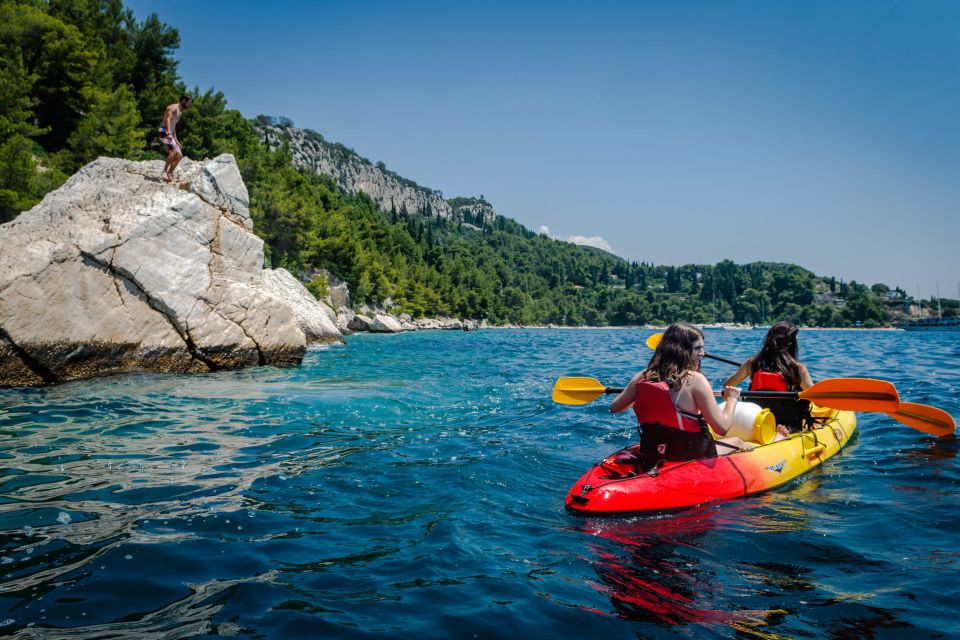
{"points": [[317, 321], [379, 323], [338, 293], [117, 271], [386, 323], [353, 174], [345, 316], [447, 324]]}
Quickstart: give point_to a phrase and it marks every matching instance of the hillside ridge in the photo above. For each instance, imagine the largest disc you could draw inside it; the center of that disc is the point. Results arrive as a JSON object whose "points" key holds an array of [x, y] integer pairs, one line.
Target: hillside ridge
{"points": [[354, 174]]}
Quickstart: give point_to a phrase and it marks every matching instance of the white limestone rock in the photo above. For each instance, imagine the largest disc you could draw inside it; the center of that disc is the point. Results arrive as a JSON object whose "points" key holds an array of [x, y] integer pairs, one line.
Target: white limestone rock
{"points": [[359, 322], [316, 319], [116, 271], [383, 323], [345, 316]]}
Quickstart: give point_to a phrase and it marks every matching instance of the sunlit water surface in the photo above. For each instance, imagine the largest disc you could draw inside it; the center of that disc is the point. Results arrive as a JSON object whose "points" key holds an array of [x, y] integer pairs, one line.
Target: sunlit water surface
{"points": [[413, 485]]}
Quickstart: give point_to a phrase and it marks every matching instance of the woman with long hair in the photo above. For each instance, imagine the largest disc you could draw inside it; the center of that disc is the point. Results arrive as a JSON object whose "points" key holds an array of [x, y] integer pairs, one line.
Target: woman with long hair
{"points": [[776, 366], [674, 402]]}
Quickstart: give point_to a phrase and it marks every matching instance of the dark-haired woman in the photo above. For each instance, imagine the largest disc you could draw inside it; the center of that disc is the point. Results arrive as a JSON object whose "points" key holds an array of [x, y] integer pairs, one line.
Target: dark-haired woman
{"points": [[674, 403], [775, 367]]}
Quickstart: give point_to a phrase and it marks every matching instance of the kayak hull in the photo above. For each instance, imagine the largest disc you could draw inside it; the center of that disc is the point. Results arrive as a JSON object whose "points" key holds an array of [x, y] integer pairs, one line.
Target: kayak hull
{"points": [[616, 485]]}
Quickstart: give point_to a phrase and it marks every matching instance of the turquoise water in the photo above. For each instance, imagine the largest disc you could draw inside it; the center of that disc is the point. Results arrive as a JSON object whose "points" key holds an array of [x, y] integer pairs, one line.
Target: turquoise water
{"points": [[413, 485]]}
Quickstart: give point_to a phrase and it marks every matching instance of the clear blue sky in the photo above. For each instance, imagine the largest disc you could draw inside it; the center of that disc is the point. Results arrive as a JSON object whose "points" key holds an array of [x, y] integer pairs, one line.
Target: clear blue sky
{"points": [[826, 134]]}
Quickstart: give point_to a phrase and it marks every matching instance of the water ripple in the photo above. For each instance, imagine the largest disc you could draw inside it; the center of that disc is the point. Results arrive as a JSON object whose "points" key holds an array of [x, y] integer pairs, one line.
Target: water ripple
{"points": [[413, 485]]}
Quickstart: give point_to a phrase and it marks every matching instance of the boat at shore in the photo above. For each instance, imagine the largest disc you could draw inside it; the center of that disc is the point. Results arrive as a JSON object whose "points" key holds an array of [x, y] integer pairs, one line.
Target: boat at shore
{"points": [[930, 324], [618, 485]]}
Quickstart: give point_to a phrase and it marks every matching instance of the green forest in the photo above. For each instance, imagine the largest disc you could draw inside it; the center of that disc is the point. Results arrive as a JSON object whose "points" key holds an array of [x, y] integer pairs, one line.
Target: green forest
{"points": [[83, 78]]}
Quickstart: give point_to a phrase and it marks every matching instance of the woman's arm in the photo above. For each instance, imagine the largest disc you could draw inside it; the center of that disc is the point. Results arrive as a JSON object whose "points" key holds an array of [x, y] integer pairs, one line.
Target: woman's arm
{"points": [[805, 380], [741, 374], [702, 394], [626, 397]]}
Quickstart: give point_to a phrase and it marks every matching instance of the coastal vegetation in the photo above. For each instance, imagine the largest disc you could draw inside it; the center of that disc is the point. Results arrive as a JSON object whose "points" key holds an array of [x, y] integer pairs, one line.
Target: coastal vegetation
{"points": [[84, 78]]}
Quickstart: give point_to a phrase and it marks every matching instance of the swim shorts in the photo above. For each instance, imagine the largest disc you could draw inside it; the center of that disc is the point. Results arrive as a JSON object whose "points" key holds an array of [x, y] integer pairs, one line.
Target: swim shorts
{"points": [[168, 139]]}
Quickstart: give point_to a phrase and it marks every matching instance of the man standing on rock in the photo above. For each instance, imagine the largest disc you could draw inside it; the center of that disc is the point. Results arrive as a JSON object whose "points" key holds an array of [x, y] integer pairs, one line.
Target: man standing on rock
{"points": [[168, 136]]}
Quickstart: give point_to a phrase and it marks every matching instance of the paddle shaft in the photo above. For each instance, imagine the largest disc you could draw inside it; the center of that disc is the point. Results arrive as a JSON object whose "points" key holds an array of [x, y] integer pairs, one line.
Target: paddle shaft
{"points": [[743, 394], [654, 341], [719, 359]]}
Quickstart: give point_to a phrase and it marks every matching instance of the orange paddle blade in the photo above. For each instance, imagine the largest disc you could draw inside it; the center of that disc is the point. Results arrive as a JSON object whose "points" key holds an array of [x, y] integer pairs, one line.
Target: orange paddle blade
{"points": [[854, 394], [923, 417], [576, 390]]}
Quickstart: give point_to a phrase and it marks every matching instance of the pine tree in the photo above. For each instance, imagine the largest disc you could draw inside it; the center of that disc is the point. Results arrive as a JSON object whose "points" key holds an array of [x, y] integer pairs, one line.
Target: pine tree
{"points": [[111, 128]]}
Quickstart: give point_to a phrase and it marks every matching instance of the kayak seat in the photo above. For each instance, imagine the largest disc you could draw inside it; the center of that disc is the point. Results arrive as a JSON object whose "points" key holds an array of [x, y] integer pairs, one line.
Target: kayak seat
{"points": [[623, 464]]}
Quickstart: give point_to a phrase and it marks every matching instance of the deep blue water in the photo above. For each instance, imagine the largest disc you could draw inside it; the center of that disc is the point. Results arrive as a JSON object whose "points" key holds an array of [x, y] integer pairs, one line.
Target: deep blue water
{"points": [[413, 485]]}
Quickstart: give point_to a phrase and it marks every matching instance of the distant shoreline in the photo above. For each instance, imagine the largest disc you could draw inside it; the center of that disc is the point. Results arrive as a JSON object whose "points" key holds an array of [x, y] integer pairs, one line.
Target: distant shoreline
{"points": [[664, 327]]}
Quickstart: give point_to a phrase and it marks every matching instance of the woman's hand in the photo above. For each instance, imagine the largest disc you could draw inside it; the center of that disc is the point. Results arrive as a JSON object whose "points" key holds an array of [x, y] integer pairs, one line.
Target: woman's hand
{"points": [[731, 393]]}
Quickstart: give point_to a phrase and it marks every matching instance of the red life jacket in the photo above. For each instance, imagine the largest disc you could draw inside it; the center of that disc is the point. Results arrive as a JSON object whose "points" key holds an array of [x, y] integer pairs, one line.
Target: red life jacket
{"points": [[768, 381], [653, 405]]}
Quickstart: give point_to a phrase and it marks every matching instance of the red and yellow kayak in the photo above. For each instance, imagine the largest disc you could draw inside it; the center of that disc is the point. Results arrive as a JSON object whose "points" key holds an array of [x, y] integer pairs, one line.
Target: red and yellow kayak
{"points": [[616, 485]]}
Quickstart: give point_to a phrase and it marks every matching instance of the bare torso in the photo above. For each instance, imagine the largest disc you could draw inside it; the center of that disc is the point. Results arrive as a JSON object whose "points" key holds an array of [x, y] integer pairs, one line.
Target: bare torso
{"points": [[171, 117]]}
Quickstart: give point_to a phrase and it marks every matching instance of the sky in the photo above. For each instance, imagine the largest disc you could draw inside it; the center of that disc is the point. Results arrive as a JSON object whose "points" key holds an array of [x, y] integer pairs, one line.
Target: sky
{"points": [[820, 133]]}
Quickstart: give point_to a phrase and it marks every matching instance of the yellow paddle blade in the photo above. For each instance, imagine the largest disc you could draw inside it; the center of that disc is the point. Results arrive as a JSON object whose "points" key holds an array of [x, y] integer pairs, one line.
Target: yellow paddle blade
{"points": [[577, 390], [654, 341], [854, 394], [923, 417]]}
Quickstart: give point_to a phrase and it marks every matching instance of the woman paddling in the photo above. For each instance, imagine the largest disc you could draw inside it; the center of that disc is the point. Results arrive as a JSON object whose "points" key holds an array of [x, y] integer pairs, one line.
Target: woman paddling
{"points": [[776, 368], [674, 403]]}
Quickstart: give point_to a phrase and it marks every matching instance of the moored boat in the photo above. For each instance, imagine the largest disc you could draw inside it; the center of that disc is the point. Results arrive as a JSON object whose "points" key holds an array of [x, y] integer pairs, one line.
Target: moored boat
{"points": [[930, 324], [618, 485]]}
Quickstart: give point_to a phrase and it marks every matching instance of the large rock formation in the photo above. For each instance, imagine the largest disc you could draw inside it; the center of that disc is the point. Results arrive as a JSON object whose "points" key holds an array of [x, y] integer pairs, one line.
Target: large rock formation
{"points": [[353, 174], [118, 271]]}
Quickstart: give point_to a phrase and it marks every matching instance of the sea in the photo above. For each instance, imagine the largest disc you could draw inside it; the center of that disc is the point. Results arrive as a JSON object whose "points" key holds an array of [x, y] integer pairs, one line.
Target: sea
{"points": [[412, 486]]}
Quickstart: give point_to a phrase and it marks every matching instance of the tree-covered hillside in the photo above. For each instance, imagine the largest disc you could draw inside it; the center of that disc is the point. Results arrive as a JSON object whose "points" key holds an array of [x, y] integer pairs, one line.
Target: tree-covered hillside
{"points": [[84, 78]]}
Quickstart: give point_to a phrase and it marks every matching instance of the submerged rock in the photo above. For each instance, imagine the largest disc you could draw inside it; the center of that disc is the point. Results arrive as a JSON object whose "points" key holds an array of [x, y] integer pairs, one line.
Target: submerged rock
{"points": [[118, 271]]}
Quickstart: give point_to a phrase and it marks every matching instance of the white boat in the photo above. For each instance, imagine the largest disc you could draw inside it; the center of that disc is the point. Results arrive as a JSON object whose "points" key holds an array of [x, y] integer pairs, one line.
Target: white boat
{"points": [[939, 323]]}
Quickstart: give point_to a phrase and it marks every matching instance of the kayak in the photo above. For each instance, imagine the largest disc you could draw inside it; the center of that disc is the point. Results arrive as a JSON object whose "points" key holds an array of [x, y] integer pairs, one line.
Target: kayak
{"points": [[617, 484]]}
